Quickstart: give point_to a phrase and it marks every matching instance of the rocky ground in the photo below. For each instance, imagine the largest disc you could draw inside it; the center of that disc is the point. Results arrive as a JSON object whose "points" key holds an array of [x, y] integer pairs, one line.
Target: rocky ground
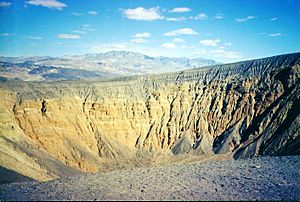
{"points": [[265, 178]]}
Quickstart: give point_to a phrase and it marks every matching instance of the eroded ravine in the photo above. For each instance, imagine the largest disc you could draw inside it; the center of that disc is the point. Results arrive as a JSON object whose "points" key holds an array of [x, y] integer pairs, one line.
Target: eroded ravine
{"points": [[55, 129]]}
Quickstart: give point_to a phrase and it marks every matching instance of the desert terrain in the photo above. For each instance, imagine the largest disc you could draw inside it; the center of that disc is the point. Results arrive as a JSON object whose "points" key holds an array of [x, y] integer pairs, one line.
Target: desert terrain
{"points": [[264, 178], [197, 134]]}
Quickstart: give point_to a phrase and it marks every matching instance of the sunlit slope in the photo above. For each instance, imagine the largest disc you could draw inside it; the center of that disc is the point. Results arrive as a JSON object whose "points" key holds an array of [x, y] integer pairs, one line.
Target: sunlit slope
{"points": [[246, 109]]}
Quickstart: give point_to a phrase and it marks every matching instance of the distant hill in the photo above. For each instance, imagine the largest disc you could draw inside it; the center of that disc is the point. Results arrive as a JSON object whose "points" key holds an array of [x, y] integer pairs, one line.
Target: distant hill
{"points": [[113, 63]]}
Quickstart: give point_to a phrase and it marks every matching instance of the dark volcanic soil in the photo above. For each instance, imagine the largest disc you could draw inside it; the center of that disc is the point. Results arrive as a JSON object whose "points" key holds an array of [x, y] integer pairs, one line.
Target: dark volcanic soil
{"points": [[266, 178]]}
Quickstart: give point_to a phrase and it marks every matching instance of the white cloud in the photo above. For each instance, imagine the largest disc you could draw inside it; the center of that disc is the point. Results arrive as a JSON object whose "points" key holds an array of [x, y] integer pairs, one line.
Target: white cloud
{"points": [[142, 35], [77, 14], [219, 16], [228, 44], [105, 47], [245, 19], [87, 25], [93, 13], [68, 36], [33, 37], [178, 40], [5, 34], [138, 40], [79, 32], [53, 4], [176, 19], [275, 34], [180, 10], [4, 4], [184, 31], [168, 45], [225, 54], [88, 28], [141, 13], [210, 42], [201, 16], [273, 19], [217, 51]]}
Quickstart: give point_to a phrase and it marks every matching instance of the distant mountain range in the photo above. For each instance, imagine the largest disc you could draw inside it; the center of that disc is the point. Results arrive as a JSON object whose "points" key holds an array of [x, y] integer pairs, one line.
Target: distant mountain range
{"points": [[110, 64]]}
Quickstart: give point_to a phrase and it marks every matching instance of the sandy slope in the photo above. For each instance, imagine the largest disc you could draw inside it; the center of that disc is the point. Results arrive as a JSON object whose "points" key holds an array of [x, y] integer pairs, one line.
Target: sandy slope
{"points": [[59, 129], [266, 178]]}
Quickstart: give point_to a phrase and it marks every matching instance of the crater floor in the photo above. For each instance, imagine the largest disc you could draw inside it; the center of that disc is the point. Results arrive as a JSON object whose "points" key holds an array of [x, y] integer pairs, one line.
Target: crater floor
{"points": [[264, 178]]}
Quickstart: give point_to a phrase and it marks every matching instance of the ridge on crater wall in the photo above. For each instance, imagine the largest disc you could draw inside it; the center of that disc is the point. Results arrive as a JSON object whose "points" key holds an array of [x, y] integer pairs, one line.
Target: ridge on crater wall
{"points": [[245, 109]]}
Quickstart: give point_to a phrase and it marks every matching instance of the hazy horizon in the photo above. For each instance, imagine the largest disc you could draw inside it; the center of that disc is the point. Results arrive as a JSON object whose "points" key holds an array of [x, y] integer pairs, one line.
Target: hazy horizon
{"points": [[215, 30], [62, 56]]}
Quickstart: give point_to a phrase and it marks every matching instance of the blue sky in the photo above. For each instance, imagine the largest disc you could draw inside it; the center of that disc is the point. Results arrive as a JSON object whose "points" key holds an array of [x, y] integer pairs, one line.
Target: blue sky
{"points": [[224, 30]]}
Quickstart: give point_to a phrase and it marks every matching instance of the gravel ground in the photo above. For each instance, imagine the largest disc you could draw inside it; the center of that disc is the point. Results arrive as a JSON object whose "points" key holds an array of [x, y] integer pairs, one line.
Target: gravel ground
{"points": [[265, 178]]}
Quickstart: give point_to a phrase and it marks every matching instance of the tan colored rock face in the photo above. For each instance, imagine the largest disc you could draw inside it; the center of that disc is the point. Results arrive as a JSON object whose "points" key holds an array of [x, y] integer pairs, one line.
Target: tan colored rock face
{"points": [[48, 127], [61, 130]]}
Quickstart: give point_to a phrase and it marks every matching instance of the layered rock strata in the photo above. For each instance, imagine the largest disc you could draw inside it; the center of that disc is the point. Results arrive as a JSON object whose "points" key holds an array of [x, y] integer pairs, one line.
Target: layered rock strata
{"points": [[246, 109]]}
